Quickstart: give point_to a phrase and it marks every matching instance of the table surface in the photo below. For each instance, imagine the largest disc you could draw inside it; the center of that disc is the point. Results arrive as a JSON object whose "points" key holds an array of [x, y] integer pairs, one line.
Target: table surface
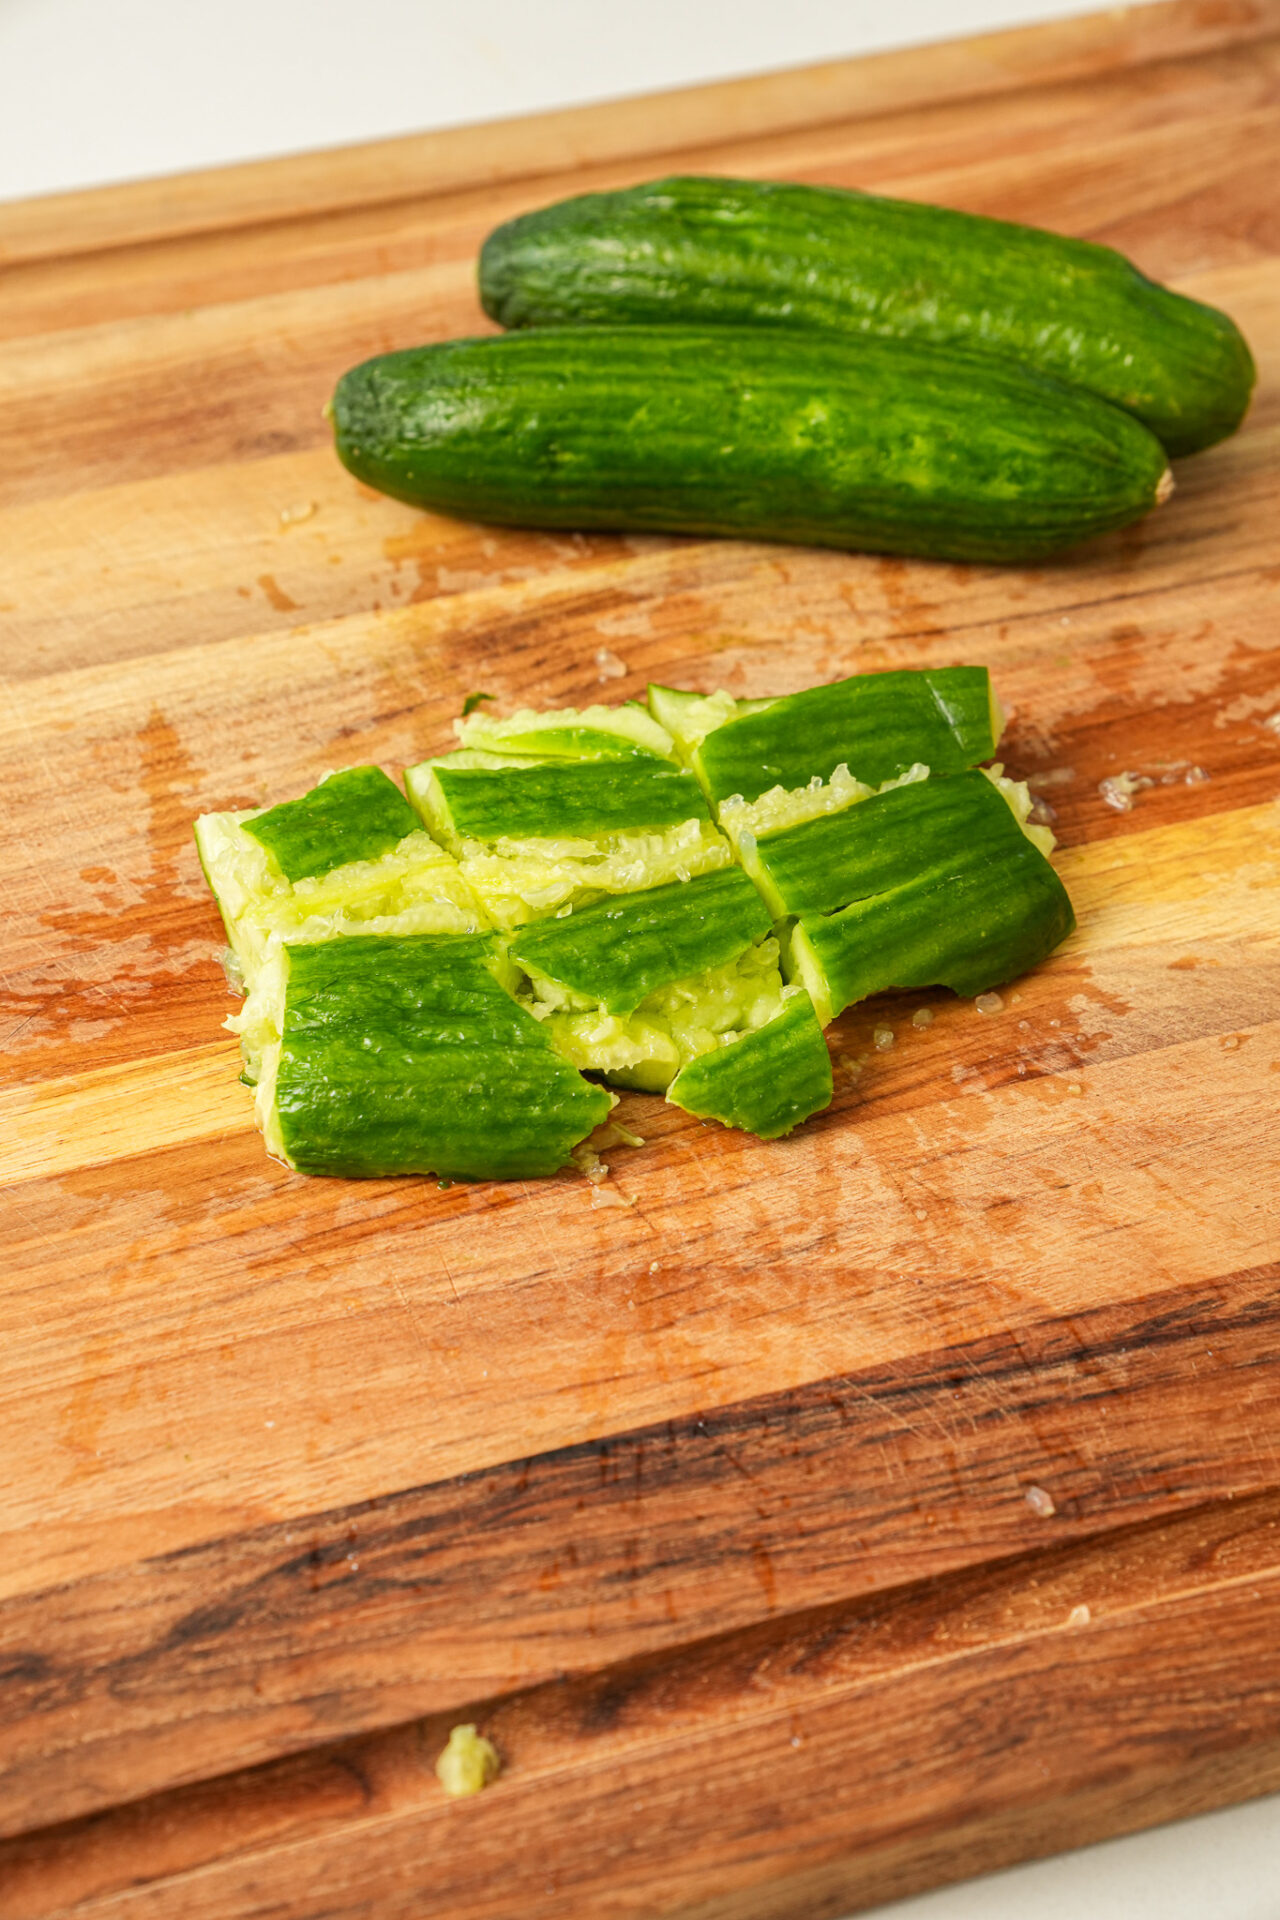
{"points": [[1102, 1874]]}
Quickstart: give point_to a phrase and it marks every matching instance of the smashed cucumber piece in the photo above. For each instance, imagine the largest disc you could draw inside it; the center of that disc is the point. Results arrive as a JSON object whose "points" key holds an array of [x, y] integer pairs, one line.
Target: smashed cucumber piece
{"points": [[877, 725], [766, 1082], [535, 838], [412, 1056], [941, 887], [821, 864], [587, 733], [641, 987], [672, 1025], [616, 953], [360, 878], [356, 815], [573, 799]]}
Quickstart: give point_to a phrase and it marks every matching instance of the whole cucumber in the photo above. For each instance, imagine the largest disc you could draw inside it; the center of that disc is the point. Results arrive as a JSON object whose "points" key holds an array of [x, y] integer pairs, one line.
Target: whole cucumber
{"points": [[886, 445], [712, 251]]}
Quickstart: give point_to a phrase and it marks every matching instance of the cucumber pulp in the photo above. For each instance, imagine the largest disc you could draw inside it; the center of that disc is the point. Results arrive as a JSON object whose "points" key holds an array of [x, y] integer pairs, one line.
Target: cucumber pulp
{"points": [[590, 733], [410, 1056]]}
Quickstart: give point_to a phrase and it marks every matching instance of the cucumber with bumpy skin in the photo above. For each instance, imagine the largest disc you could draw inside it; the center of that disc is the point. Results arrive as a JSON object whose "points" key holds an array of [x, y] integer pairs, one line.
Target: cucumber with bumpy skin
{"points": [[932, 884], [705, 251], [400, 1056], [877, 725], [349, 856], [765, 1082], [885, 445]]}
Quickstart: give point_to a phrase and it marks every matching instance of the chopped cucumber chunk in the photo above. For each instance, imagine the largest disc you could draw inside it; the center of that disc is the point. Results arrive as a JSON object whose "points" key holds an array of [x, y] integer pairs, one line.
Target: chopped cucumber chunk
{"points": [[690, 717], [877, 725], [767, 1081], [572, 799], [587, 733], [934, 884], [541, 839], [617, 952], [356, 815], [414, 888], [401, 1056]]}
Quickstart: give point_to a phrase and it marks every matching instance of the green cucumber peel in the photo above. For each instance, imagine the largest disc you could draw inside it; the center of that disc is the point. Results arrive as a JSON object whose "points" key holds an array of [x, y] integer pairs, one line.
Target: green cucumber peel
{"points": [[893, 839], [878, 725], [570, 800], [765, 1082], [354, 815], [411, 1056], [618, 951], [941, 888]]}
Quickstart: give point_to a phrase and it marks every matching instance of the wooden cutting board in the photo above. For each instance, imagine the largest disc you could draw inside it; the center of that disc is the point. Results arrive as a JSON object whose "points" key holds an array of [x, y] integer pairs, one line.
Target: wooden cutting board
{"points": [[808, 1523]]}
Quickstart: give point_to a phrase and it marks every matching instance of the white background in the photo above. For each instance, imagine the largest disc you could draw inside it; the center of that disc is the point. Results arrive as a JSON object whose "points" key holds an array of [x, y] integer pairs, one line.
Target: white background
{"points": [[99, 90]]}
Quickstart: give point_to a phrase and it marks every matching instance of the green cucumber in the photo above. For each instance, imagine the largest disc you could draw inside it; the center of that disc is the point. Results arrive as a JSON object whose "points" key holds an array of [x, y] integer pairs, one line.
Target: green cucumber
{"points": [[571, 799], [880, 844], [940, 885], [707, 251], [536, 837], [888, 445], [766, 1082], [878, 725], [403, 1056], [355, 815], [616, 953], [411, 886]]}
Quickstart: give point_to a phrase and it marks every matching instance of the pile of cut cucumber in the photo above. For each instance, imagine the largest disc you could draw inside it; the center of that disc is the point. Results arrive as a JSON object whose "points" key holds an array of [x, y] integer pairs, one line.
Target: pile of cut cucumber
{"points": [[798, 363], [675, 897]]}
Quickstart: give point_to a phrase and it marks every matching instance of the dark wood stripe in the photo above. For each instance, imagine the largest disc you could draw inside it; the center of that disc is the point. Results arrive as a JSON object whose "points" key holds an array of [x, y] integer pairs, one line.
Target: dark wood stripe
{"points": [[925, 1733], [271, 1641]]}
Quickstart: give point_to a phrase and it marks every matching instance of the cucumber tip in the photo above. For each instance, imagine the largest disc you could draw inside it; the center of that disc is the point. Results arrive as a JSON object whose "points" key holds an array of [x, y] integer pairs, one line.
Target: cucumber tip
{"points": [[1165, 486]]}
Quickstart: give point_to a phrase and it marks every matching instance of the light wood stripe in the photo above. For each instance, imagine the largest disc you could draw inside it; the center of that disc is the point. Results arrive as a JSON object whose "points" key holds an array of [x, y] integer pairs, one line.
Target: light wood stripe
{"points": [[1198, 885], [113, 1113]]}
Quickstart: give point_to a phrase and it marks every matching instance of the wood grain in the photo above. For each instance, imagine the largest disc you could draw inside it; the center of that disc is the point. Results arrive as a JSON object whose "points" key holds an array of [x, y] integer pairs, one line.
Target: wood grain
{"points": [[712, 1504]]}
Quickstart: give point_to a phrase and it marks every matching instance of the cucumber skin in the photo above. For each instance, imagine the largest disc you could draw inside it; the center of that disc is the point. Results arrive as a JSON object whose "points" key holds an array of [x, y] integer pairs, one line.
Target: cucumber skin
{"points": [[404, 1056], [977, 905], [696, 250], [887, 844], [876, 724], [768, 1081], [875, 444], [358, 814], [569, 797], [620, 950]]}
